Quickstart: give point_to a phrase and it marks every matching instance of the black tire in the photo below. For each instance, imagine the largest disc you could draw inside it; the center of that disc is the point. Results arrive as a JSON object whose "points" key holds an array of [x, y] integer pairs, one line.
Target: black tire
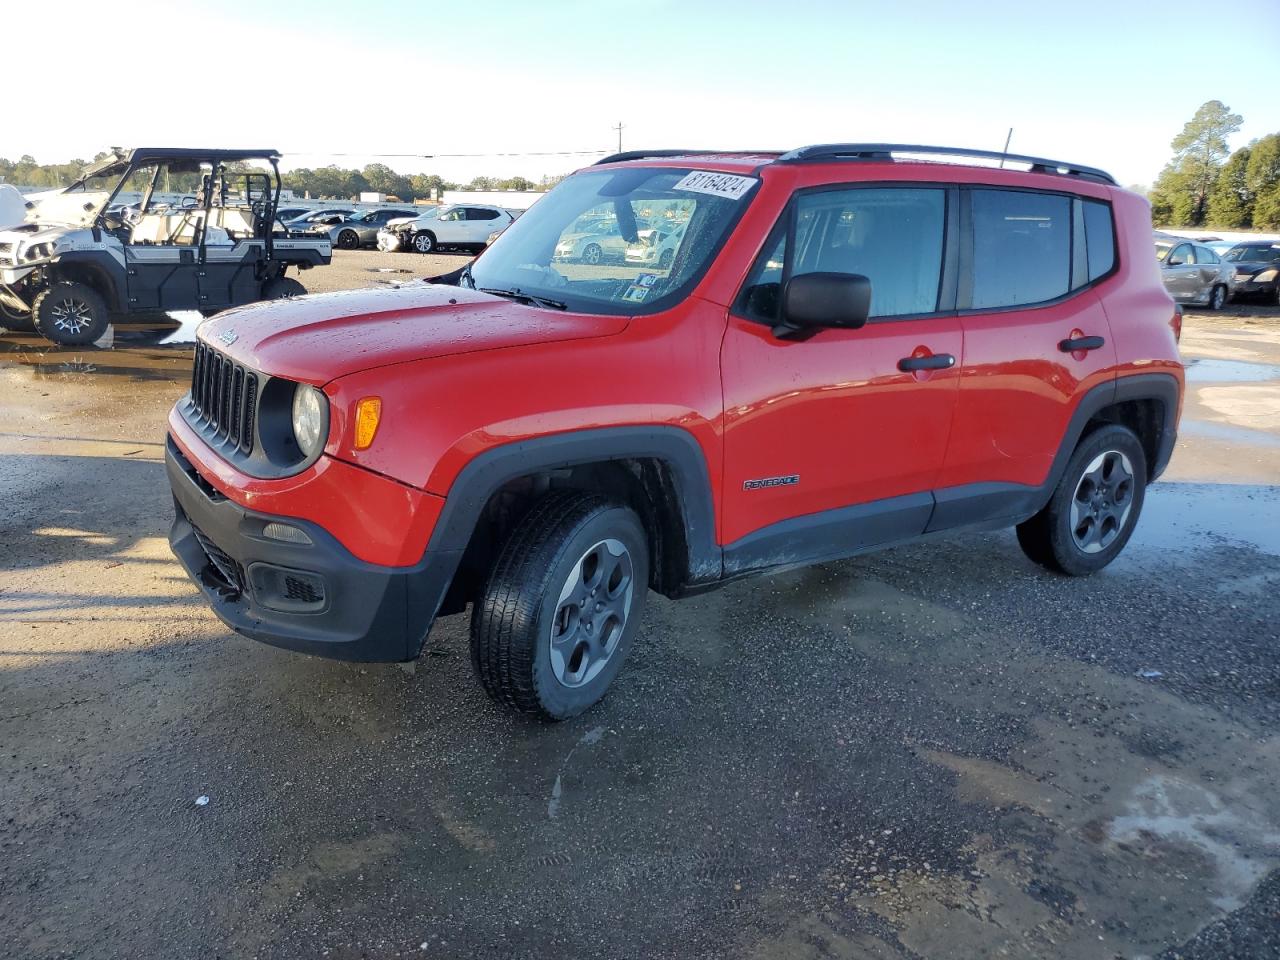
{"points": [[1107, 512], [665, 259], [1217, 297], [18, 322], [70, 313], [348, 240], [515, 621], [424, 242], [592, 254], [282, 287]]}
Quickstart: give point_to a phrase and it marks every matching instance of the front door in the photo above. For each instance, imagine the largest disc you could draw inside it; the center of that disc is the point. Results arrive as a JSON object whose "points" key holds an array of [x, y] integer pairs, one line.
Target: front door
{"points": [[1179, 272], [834, 441], [162, 260]]}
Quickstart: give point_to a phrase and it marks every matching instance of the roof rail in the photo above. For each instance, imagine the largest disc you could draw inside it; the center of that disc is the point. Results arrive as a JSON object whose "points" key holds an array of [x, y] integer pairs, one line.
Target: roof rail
{"points": [[646, 154], [884, 151]]}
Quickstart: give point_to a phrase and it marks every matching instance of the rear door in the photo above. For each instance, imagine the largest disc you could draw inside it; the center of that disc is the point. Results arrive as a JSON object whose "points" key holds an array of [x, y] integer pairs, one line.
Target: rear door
{"points": [[481, 221], [1207, 266], [1036, 339], [842, 418]]}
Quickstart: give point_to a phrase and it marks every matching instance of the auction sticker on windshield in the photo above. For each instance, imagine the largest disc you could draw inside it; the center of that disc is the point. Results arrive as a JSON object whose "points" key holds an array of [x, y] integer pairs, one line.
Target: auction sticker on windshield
{"points": [[716, 184]]}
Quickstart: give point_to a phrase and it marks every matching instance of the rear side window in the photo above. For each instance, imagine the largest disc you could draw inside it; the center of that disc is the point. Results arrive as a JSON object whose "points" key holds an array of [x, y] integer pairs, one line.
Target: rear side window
{"points": [[1100, 238], [1021, 248], [1205, 255], [891, 236], [480, 213]]}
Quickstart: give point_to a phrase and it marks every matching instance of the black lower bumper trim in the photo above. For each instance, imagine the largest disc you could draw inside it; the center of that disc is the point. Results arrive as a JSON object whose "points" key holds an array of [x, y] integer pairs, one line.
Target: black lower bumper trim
{"points": [[334, 605]]}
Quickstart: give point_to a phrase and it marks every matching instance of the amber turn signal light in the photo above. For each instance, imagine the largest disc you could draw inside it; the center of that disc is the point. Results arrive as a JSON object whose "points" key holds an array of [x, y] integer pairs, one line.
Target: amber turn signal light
{"points": [[368, 413]]}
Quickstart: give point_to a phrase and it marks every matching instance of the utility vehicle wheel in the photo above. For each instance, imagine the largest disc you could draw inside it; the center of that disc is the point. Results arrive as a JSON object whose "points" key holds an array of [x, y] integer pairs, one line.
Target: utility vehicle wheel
{"points": [[561, 606], [1095, 507], [348, 240], [282, 287], [13, 320], [70, 313], [592, 253], [424, 242], [1218, 298], [664, 261]]}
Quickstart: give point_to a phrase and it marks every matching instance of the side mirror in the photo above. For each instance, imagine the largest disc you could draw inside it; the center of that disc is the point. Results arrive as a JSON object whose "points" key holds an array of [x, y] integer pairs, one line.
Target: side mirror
{"points": [[811, 300], [1173, 262]]}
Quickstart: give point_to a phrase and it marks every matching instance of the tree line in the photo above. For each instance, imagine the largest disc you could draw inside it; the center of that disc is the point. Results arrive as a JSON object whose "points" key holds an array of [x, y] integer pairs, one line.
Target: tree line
{"points": [[322, 183], [1203, 184]]}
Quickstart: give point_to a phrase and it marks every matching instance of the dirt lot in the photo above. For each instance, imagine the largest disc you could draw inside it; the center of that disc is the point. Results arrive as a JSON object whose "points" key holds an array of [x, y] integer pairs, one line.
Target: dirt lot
{"points": [[939, 751]]}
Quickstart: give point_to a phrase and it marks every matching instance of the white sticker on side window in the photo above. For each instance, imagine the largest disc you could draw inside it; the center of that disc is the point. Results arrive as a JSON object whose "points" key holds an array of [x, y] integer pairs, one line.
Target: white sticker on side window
{"points": [[716, 184]]}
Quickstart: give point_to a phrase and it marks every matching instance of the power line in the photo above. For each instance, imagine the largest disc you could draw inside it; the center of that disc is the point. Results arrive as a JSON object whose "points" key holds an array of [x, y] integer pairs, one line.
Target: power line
{"points": [[438, 156]]}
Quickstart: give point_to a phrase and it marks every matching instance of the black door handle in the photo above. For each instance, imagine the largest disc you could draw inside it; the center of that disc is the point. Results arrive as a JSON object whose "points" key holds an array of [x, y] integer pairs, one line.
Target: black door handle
{"points": [[939, 361], [1080, 343]]}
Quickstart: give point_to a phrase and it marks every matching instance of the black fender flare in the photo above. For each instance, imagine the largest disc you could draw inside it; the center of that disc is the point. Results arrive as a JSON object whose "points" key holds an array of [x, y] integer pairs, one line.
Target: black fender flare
{"points": [[100, 269], [484, 475]]}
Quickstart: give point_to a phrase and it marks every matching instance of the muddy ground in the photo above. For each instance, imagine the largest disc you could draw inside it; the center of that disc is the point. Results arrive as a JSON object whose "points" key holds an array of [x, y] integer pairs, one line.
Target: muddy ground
{"points": [[938, 751]]}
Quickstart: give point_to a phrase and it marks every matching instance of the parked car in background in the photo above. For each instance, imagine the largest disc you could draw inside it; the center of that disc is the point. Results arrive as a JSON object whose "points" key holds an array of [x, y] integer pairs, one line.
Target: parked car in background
{"points": [[455, 226], [1254, 267], [316, 218], [592, 243], [1192, 273], [657, 246], [285, 214], [389, 237], [361, 228]]}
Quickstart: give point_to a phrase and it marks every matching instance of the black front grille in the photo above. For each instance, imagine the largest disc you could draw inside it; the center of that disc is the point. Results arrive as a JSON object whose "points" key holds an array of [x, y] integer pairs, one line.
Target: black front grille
{"points": [[224, 394], [221, 565]]}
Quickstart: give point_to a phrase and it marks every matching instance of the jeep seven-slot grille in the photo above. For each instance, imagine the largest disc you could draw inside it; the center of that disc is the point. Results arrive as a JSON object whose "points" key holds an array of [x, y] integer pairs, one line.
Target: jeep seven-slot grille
{"points": [[225, 395]]}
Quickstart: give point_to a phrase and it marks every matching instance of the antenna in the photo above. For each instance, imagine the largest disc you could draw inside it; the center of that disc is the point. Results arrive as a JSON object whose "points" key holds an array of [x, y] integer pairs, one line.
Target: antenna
{"points": [[619, 129], [1005, 151]]}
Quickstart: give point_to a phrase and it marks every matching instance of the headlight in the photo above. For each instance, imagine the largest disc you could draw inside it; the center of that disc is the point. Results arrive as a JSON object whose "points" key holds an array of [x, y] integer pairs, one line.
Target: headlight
{"points": [[310, 419]]}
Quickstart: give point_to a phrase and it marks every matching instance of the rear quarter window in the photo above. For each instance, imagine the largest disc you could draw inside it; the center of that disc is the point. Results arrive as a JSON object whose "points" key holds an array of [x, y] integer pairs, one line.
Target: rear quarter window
{"points": [[1100, 239]]}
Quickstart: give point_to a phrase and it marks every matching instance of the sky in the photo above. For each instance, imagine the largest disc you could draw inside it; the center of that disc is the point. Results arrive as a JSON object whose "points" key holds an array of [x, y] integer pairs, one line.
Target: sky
{"points": [[326, 81]]}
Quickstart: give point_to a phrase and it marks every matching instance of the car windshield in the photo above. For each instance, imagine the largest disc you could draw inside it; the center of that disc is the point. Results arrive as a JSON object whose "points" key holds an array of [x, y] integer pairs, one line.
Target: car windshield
{"points": [[571, 246], [1253, 251], [1162, 249]]}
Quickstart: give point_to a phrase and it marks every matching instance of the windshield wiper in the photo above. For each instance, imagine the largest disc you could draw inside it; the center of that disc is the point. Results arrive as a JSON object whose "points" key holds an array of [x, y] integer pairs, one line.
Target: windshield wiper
{"points": [[527, 298]]}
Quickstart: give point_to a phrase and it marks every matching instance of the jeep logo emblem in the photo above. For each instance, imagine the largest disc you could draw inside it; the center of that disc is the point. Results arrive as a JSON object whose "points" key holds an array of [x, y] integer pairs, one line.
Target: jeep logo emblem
{"points": [[228, 337]]}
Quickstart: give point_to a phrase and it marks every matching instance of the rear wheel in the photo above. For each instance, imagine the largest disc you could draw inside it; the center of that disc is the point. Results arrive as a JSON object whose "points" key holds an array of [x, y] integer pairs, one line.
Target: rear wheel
{"points": [[1218, 298], [282, 287], [1095, 507], [561, 605], [664, 261], [70, 313], [424, 242]]}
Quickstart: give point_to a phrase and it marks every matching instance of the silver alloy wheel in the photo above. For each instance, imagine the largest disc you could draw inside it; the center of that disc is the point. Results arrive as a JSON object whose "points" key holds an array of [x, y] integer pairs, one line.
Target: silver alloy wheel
{"points": [[1218, 298], [71, 315], [591, 613], [1102, 502], [592, 254], [423, 243]]}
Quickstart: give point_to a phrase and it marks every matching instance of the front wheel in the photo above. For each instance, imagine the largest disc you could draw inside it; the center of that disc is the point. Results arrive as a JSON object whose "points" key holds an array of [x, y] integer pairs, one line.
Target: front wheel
{"points": [[561, 606], [424, 242], [348, 240], [592, 253], [1094, 508], [70, 313]]}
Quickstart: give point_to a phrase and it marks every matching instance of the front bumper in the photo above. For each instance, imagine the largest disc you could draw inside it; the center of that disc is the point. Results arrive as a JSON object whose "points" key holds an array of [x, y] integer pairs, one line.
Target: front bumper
{"points": [[1254, 288], [314, 598]]}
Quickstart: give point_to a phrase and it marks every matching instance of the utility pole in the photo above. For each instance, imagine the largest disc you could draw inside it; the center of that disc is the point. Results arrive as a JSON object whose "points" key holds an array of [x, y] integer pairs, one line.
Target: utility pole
{"points": [[619, 129]]}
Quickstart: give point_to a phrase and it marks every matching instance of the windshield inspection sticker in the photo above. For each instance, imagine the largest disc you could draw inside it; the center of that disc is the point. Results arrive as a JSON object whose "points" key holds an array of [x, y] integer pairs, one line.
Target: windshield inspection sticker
{"points": [[716, 184], [636, 293], [646, 280]]}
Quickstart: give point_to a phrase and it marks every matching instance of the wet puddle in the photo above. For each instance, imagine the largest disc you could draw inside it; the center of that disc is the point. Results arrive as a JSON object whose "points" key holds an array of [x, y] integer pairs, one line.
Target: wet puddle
{"points": [[155, 350], [1212, 370], [1181, 519]]}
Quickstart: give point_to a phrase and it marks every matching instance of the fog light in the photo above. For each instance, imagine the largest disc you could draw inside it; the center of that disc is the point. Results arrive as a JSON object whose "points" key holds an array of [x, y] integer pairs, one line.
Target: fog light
{"points": [[368, 414], [285, 532]]}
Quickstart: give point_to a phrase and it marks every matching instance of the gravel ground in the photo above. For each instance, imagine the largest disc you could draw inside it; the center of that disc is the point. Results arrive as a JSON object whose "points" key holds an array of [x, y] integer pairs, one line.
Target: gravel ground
{"points": [[940, 750]]}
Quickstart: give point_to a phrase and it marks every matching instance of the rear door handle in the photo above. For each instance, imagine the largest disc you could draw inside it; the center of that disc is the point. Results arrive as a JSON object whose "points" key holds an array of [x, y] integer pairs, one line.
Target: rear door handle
{"points": [[1080, 343], [938, 361]]}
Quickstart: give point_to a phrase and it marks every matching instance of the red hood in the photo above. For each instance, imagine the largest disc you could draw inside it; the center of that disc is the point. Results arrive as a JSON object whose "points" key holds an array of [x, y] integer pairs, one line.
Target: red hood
{"points": [[319, 338]]}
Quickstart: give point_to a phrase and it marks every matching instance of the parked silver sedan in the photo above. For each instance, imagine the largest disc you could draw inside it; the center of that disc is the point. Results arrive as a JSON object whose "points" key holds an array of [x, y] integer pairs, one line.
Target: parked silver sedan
{"points": [[360, 229], [1192, 273]]}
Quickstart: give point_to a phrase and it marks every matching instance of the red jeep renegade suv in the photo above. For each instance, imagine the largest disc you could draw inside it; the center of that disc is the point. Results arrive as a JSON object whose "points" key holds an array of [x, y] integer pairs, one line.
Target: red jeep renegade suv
{"points": [[678, 369]]}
